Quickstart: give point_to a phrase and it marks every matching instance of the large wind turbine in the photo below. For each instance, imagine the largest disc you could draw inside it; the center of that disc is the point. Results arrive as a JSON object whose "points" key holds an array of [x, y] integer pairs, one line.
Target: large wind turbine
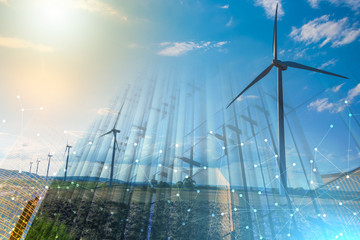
{"points": [[114, 132], [68, 147], [282, 66]]}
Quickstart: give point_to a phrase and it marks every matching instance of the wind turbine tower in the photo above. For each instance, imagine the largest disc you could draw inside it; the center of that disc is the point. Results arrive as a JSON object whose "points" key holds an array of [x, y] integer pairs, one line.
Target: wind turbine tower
{"points": [[281, 66], [37, 165], [47, 172], [31, 163], [68, 147]]}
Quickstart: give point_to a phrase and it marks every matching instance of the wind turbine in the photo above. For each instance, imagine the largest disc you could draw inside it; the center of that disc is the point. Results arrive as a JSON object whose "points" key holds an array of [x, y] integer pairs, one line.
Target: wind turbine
{"points": [[68, 147], [281, 66], [47, 172], [31, 163], [114, 131], [37, 165]]}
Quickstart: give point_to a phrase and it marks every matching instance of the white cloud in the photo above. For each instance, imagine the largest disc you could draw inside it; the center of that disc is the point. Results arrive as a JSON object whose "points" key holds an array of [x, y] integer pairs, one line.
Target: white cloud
{"points": [[270, 7], [337, 88], [331, 62], [20, 43], [324, 104], [226, 6], [353, 93], [228, 24], [247, 97], [353, 4], [321, 105], [180, 48], [99, 7], [324, 30]]}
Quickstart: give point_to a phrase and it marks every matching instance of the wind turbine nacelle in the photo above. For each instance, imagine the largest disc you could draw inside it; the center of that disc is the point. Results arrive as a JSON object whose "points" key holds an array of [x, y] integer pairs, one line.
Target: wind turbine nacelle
{"points": [[279, 64]]}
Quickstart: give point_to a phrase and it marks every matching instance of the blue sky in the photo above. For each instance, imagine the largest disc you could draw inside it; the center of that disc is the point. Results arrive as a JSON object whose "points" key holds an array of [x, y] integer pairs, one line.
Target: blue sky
{"points": [[71, 57]]}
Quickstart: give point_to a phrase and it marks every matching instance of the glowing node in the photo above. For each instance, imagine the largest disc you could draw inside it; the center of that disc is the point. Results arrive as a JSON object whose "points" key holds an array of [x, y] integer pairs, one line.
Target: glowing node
{"points": [[213, 215], [297, 209], [198, 191], [232, 190], [223, 148], [355, 213], [340, 203], [18, 97], [19, 171], [341, 234], [22, 109], [160, 165], [127, 189], [242, 144], [324, 215], [160, 151], [105, 167], [259, 192], [289, 235], [65, 131], [13, 198], [247, 227], [135, 144], [311, 161], [331, 126], [222, 214], [346, 102], [137, 160], [350, 115], [47, 187], [294, 164], [277, 176], [38, 134], [177, 195], [315, 149], [211, 132], [186, 176], [276, 155], [347, 176], [235, 209], [291, 215], [4, 121], [183, 224], [314, 170], [205, 167], [265, 140], [276, 204], [337, 187], [176, 145], [240, 195], [255, 210], [74, 153], [175, 170], [255, 165], [90, 143], [41, 108], [311, 182]]}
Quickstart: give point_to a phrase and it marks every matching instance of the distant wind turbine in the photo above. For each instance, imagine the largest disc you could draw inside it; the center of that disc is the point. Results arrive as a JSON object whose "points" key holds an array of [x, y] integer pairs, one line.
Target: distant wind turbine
{"points": [[68, 147], [282, 66], [37, 165], [114, 132], [47, 172], [31, 163]]}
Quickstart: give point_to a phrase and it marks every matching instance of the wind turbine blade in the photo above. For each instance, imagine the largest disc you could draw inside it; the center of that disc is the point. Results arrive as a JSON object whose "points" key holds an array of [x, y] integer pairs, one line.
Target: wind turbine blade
{"points": [[106, 133], [275, 34], [300, 66], [261, 75], [117, 117]]}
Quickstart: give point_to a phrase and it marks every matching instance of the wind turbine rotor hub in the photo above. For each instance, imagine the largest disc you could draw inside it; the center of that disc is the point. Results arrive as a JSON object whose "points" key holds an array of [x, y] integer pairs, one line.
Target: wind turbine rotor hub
{"points": [[278, 64]]}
